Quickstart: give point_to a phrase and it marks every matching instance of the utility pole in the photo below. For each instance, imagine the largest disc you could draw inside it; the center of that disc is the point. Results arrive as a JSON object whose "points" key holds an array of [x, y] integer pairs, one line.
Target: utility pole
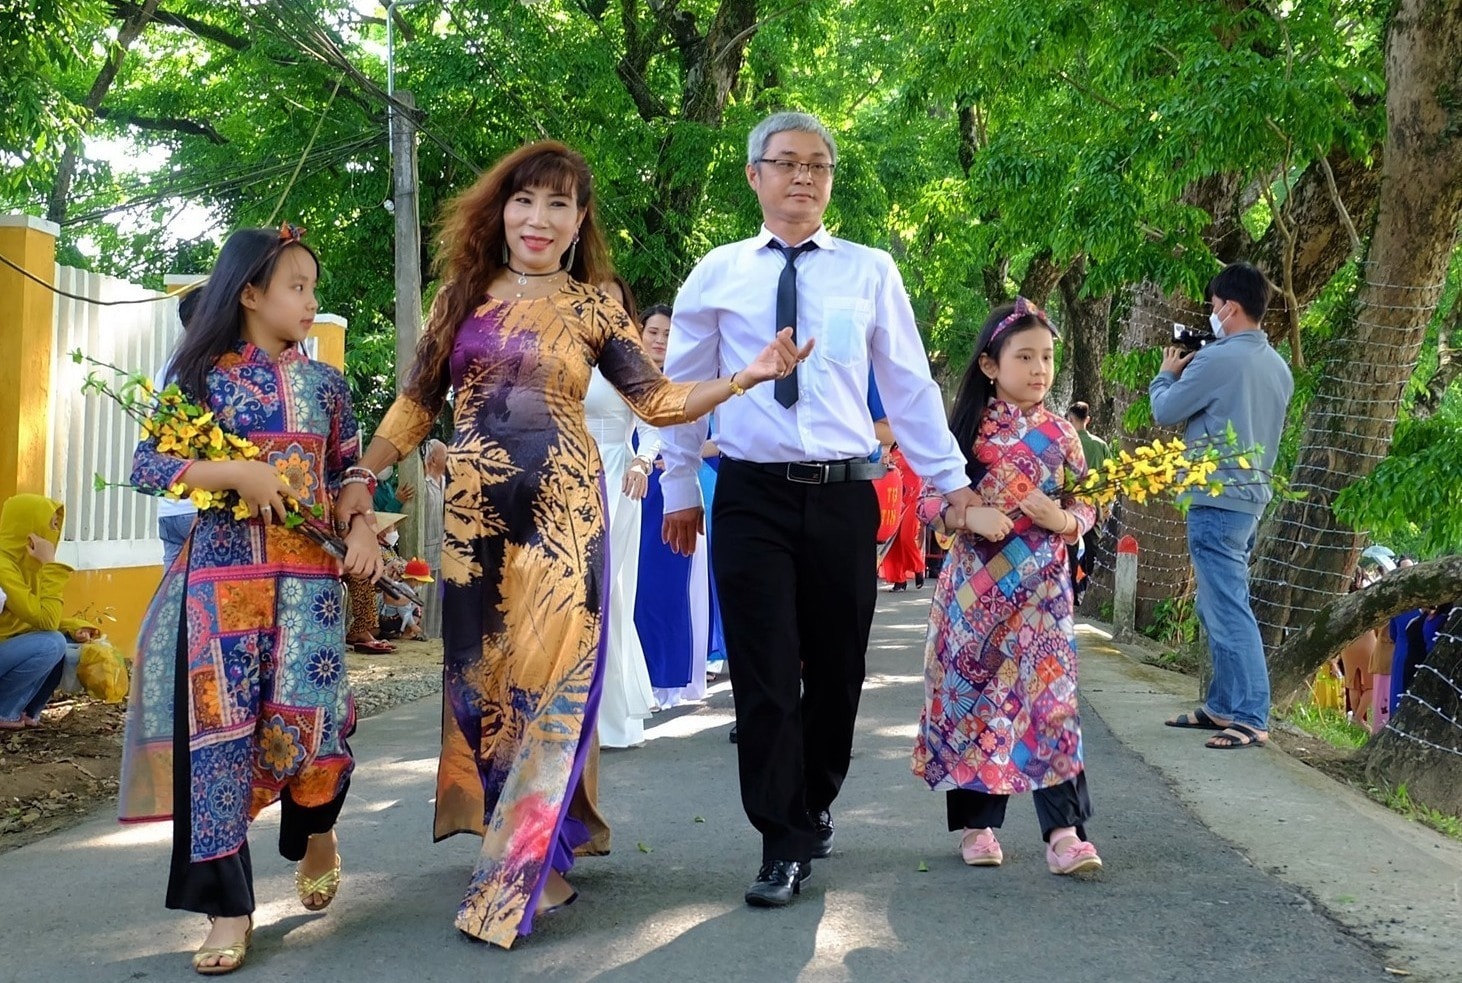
{"points": [[401, 130], [408, 294]]}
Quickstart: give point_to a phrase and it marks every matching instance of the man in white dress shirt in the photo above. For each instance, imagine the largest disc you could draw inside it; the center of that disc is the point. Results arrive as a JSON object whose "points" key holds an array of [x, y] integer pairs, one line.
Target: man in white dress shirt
{"points": [[795, 514]]}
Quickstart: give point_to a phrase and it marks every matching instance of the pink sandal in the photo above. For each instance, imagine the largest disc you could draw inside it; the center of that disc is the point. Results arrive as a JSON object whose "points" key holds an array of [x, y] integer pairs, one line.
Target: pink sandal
{"points": [[979, 848], [1075, 856]]}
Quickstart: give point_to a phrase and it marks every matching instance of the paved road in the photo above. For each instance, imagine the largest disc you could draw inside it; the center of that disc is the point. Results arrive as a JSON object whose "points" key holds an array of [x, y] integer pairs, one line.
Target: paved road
{"points": [[1176, 901]]}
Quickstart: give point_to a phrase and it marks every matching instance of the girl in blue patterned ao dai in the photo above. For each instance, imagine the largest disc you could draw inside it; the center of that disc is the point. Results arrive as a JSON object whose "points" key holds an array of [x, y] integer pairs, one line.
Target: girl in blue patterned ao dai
{"points": [[1000, 711], [239, 696]]}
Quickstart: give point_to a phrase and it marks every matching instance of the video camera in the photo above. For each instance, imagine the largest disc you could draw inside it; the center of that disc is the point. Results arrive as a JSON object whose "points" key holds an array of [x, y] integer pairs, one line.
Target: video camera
{"points": [[1190, 339]]}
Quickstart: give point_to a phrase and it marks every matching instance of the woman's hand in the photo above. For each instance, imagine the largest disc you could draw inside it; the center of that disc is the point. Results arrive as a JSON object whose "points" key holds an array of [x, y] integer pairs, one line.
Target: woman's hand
{"points": [[354, 499], [86, 634], [261, 488], [362, 552], [776, 360], [41, 550], [636, 480], [1045, 512], [988, 523]]}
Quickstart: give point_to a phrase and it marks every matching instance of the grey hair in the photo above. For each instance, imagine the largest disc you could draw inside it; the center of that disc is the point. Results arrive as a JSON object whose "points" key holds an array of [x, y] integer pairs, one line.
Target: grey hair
{"points": [[762, 133]]}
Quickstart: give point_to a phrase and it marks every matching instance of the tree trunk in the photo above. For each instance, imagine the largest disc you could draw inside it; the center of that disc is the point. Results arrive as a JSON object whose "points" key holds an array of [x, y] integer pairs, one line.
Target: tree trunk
{"points": [[132, 27], [710, 65], [1421, 746], [1339, 622], [1041, 278], [1324, 241], [1086, 342], [1163, 567], [1305, 554]]}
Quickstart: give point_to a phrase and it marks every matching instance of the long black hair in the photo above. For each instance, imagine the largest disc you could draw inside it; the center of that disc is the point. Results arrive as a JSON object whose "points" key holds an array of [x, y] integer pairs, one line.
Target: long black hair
{"points": [[248, 257], [976, 388], [652, 310]]}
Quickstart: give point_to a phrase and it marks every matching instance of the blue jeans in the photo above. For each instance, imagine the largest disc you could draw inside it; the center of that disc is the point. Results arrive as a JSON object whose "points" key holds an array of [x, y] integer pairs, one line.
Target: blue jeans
{"points": [[1219, 541], [174, 531], [30, 670]]}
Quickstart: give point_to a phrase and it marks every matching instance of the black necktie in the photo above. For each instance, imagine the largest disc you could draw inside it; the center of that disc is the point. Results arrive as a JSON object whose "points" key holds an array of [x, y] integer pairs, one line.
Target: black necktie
{"points": [[785, 389]]}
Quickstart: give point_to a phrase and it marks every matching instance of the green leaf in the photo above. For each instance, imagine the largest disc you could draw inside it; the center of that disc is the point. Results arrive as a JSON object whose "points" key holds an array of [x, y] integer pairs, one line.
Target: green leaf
{"points": [[644, 848], [923, 867]]}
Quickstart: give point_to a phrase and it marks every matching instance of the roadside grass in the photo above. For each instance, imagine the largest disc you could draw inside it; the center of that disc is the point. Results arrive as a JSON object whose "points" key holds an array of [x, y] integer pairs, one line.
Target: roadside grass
{"points": [[1399, 800], [1334, 728], [1328, 724]]}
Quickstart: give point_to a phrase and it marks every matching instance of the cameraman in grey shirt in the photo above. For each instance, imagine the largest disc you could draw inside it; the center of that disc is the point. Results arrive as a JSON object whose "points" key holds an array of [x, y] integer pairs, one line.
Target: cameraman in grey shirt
{"points": [[1239, 381]]}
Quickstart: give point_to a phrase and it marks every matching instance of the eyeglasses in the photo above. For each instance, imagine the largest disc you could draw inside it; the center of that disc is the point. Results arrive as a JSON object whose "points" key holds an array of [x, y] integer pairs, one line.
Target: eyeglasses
{"points": [[791, 168]]}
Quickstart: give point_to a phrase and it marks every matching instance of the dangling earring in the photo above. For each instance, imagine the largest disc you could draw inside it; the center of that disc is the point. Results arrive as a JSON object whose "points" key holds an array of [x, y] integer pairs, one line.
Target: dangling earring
{"points": [[507, 259], [573, 249]]}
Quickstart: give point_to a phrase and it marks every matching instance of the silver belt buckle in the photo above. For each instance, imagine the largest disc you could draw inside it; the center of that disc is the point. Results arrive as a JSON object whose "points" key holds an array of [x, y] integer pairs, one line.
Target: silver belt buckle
{"points": [[804, 473]]}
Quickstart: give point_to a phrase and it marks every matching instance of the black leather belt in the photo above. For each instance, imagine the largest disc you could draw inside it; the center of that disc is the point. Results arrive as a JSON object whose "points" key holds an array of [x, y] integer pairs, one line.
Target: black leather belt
{"points": [[821, 472]]}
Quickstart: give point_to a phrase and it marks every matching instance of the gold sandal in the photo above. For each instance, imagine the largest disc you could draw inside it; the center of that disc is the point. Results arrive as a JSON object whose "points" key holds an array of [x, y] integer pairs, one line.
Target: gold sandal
{"points": [[235, 953], [327, 884]]}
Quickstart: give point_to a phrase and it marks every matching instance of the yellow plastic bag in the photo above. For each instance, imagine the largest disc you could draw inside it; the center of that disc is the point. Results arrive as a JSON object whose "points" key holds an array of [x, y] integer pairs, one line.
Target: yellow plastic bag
{"points": [[103, 670], [1328, 689]]}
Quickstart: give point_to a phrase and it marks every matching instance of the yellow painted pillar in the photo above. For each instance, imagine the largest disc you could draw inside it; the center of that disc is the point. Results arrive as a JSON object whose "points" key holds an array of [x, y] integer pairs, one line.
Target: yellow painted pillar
{"points": [[27, 333], [329, 335]]}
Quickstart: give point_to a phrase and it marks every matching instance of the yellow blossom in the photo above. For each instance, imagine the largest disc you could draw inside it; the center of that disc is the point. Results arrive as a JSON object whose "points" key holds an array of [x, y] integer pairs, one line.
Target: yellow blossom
{"points": [[201, 498]]}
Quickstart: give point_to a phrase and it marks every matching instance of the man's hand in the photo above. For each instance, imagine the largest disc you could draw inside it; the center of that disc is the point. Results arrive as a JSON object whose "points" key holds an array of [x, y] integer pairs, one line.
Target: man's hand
{"points": [[681, 529], [1175, 360]]}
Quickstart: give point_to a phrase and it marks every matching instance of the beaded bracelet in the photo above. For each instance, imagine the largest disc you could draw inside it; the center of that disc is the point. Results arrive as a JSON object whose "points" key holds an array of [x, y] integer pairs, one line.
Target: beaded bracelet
{"points": [[357, 475]]}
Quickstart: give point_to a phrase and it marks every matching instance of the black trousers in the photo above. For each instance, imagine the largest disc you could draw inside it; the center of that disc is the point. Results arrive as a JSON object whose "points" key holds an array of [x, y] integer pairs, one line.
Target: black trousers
{"points": [[224, 888], [795, 573], [1085, 562], [1067, 804]]}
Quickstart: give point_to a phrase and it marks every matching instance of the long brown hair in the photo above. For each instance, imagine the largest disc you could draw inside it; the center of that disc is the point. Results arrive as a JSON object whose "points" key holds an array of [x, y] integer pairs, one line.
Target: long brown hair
{"points": [[471, 246]]}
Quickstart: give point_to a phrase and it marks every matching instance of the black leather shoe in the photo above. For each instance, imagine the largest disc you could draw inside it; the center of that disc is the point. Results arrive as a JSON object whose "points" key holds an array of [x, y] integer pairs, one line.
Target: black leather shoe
{"points": [[823, 823], [776, 882]]}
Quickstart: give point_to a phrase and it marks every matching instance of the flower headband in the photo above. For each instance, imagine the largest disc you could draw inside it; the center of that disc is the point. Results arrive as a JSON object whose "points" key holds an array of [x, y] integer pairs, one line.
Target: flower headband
{"points": [[1023, 308], [290, 233]]}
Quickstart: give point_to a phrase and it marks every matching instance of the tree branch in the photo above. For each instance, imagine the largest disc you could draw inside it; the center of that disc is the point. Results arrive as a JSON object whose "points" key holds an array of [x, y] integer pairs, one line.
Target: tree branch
{"points": [[173, 124], [1356, 249], [1449, 365], [1336, 624], [123, 9]]}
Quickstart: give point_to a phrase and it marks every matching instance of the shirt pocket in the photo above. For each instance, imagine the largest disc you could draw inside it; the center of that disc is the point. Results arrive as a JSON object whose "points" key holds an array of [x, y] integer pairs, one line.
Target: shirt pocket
{"points": [[843, 339]]}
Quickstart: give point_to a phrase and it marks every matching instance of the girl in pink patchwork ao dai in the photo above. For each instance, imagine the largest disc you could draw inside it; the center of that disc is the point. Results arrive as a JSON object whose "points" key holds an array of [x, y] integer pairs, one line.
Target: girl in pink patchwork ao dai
{"points": [[1000, 713]]}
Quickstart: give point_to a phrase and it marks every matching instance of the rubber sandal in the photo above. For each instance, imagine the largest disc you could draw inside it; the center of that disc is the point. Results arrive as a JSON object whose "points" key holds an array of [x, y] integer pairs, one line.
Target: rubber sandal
{"points": [[327, 884], [1080, 857], [235, 953], [375, 647], [1199, 719], [979, 848], [1236, 736]]}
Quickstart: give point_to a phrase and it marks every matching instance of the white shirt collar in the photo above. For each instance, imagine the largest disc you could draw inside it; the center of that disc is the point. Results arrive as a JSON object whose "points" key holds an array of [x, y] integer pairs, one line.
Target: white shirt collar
{"points": [[823, 238]]}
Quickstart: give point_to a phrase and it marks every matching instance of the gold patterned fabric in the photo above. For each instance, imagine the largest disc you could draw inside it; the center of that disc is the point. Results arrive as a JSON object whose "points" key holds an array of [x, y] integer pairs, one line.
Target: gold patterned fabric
{"points": [[523, 560]]}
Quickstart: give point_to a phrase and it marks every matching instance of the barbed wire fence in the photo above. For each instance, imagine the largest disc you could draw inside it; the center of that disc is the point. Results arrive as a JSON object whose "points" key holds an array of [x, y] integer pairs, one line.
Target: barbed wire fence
{"points": [[1350, 368]]}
